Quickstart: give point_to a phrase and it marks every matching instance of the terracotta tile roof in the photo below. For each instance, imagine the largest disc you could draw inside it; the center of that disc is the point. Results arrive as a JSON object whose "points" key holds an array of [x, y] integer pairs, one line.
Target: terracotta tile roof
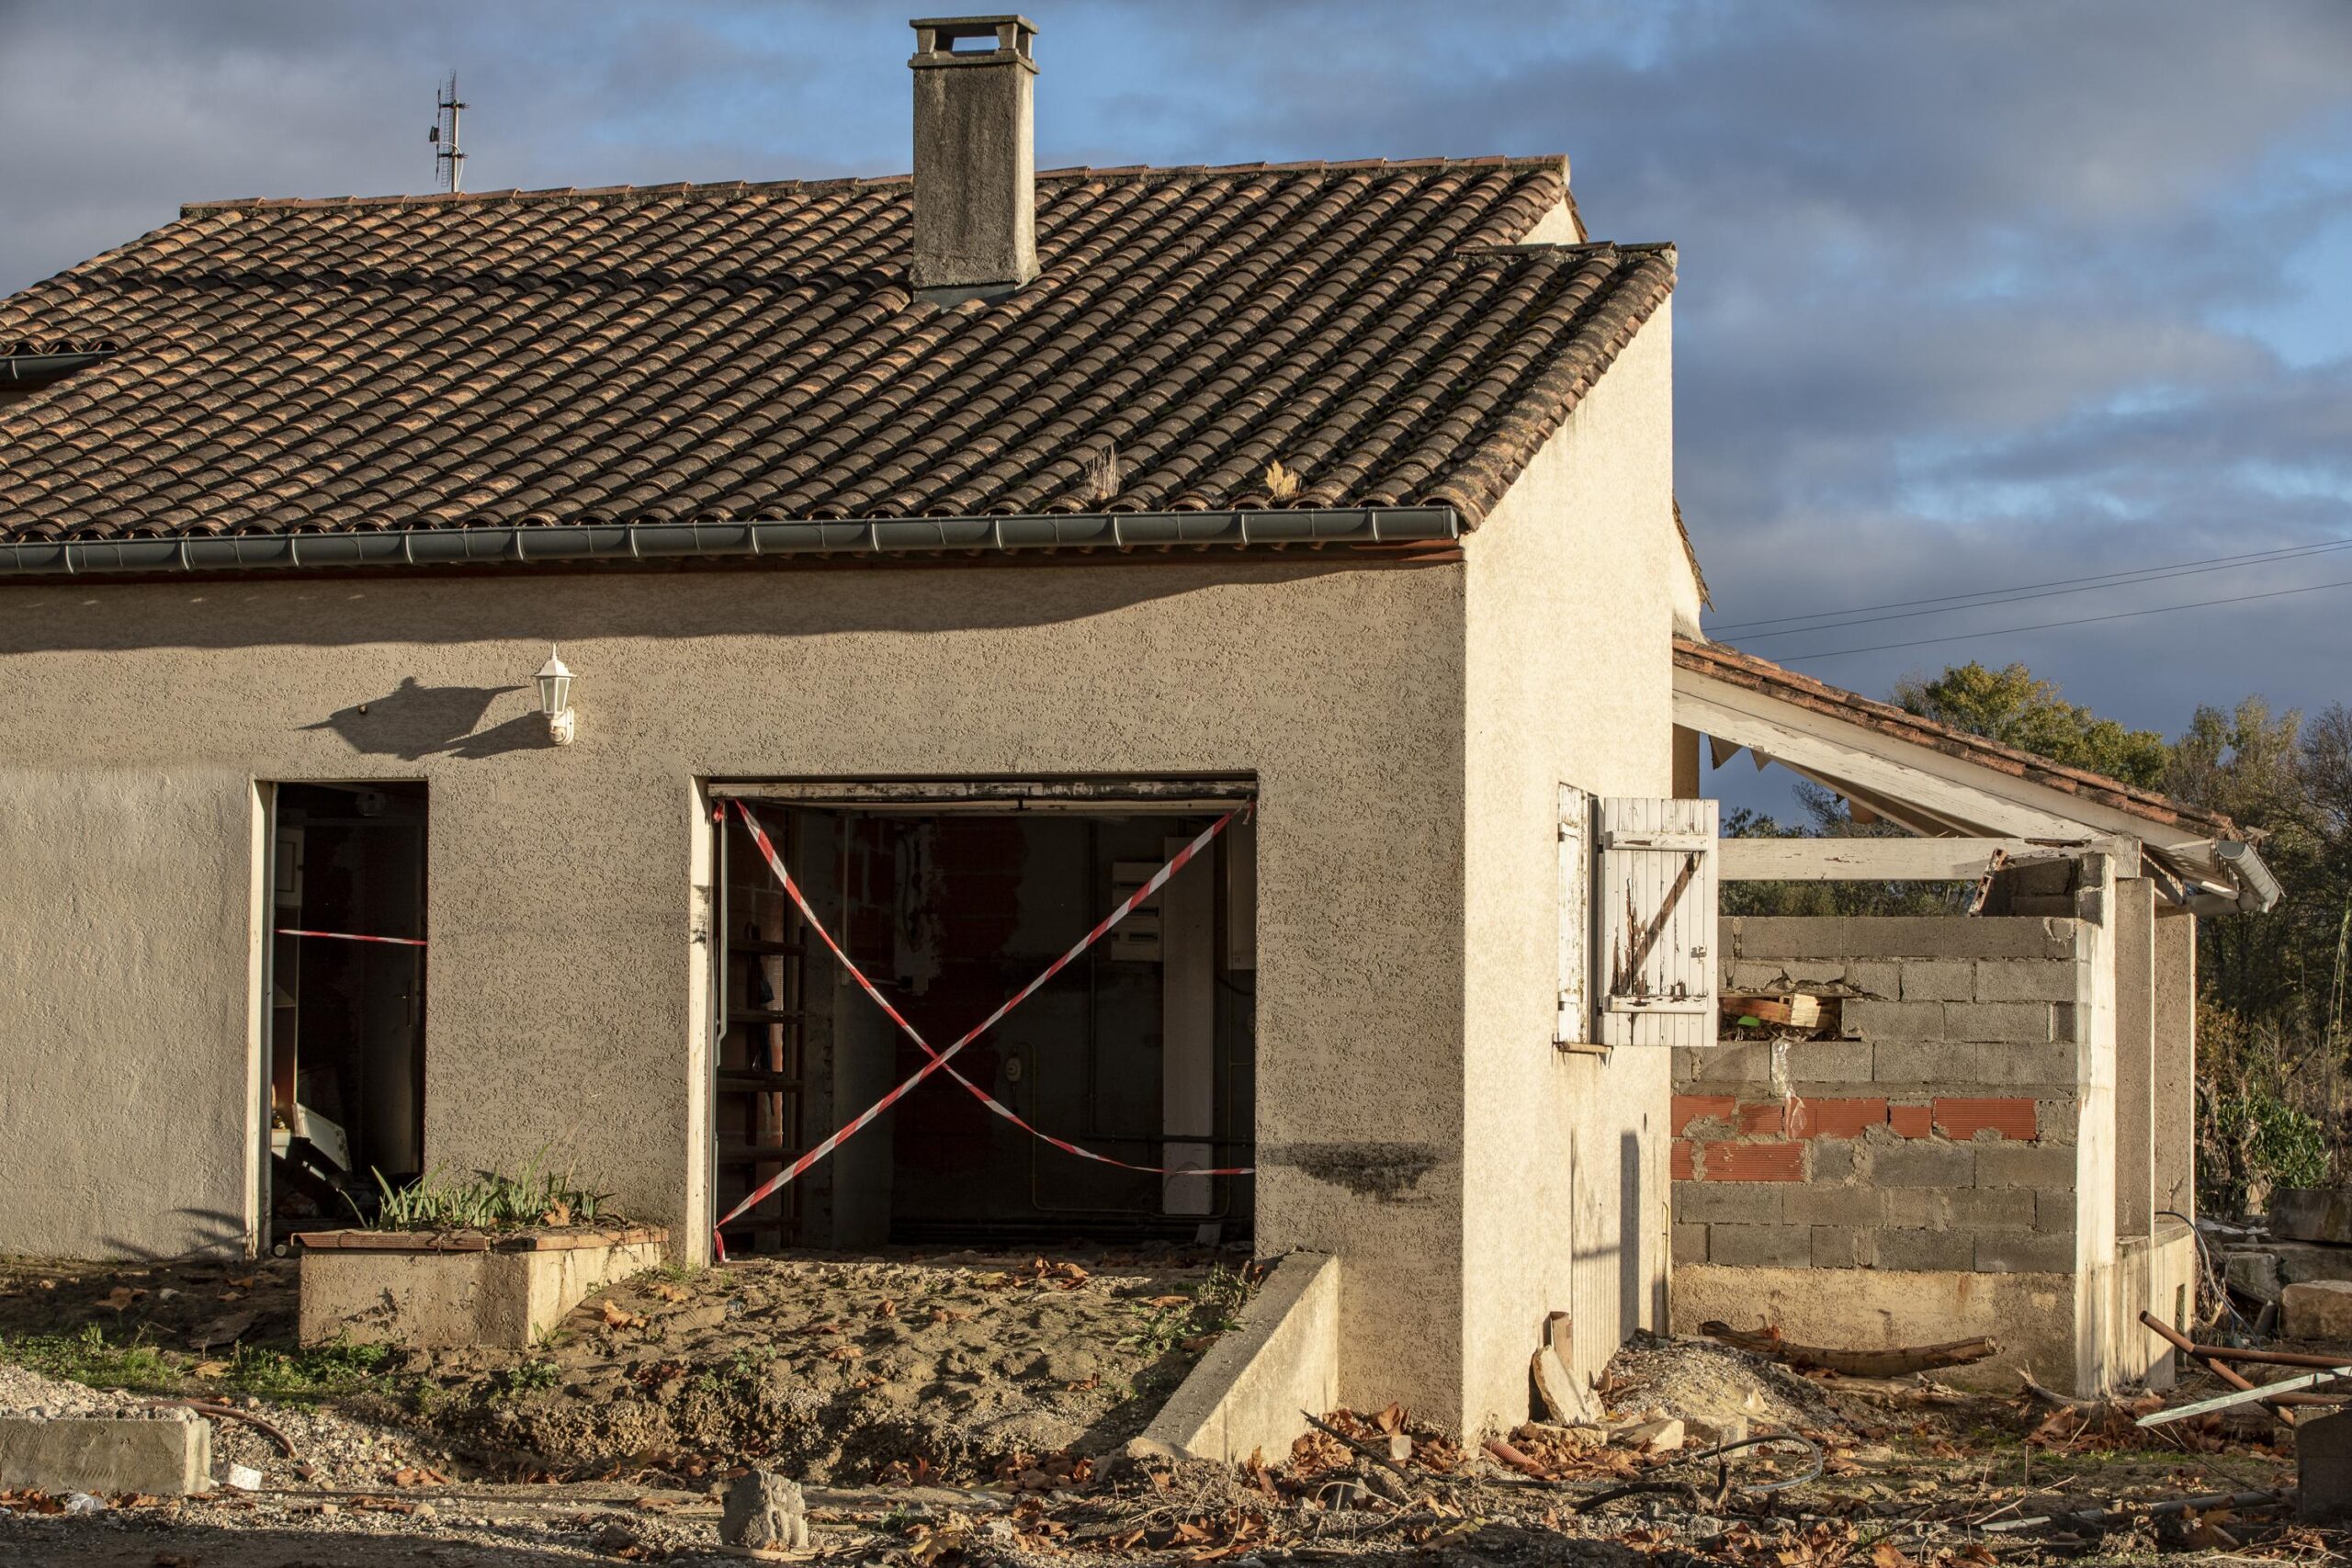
{"points": [[1734, 668], [737, 351]]}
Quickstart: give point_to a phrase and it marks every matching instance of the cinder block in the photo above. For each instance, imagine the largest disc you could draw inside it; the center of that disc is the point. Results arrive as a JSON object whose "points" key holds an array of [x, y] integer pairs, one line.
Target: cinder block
{"points": [[1964, 1208], [1894, 1021], [1841, 1246], [1746, 978], [2067, 1021], [1924, 1165], [1881, 978], [1738, 1203], [1948, 1066], [2025, 980], [2024, 1252], [2025, 1165], [1690, 1244], [1750, 1061], [1923, 1249], [1905, 936], [1832, 1062], [1939, 980], [105, 1455], [1833, 1160], [1760, 1246], [2023, 1024], [2053, 1212], [1846, 1203]]}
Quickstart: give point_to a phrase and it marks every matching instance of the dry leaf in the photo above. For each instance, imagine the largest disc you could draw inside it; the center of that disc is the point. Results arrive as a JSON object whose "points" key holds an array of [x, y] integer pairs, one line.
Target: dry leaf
{"points": [[615, 1317], [1281, 483]]}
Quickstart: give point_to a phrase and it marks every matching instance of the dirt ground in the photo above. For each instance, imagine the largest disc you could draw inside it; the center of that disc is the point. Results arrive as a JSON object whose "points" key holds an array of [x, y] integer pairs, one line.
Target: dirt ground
{"points": [[972, 1410]]}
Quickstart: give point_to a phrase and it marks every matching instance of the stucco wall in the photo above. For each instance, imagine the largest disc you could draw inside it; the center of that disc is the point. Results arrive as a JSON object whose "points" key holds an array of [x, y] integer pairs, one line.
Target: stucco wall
{"points": [[563, 1002], [1572, 599]]}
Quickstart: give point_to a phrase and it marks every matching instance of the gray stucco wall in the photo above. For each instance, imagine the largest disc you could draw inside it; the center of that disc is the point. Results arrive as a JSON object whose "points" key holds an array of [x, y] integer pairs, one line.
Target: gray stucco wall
{"points": [[1573, 586]]}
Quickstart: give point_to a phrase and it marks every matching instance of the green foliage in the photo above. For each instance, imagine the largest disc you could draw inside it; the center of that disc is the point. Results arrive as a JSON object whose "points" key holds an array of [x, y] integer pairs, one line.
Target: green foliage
{"points": [[2017, 708], [1214, 1308], [322, 1372], [530, 1377], [490, 1201], [88, 1357]]}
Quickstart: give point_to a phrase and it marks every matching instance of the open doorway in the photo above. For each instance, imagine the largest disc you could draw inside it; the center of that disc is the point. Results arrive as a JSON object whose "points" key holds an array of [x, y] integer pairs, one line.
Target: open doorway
{"points": [[1143, 1050], [345, 1037]]}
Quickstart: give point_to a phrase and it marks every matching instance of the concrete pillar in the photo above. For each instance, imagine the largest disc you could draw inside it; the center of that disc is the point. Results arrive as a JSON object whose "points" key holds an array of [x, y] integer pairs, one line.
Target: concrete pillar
{"points": [[2095, 900], [2135, 1043], [2174, 1090]]}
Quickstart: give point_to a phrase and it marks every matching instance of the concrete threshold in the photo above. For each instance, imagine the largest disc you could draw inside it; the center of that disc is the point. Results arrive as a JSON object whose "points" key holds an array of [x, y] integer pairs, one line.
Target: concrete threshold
{"points": [[107, 1455], [1247, 1391]]}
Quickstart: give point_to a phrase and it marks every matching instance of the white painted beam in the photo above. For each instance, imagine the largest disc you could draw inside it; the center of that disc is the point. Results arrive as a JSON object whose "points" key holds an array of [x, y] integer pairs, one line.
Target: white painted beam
{"points": [[1877, 860]]}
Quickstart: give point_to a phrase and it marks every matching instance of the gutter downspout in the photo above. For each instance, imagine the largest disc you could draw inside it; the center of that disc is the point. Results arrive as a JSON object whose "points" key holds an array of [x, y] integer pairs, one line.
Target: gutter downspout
{"points": [[549, 543]]}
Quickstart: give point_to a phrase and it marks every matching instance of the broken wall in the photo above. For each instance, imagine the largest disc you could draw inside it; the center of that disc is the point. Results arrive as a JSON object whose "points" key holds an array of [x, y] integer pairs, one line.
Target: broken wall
{"points": [[1914, 1180]]}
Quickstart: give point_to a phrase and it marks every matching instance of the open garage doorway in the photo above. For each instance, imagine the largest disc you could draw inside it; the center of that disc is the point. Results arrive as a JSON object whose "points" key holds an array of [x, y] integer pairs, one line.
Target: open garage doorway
{"points": [[344, 988], [951, 898]]}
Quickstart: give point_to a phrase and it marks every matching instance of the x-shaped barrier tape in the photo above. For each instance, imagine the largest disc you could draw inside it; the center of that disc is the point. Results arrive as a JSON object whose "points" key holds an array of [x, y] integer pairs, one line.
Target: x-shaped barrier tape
{"points": [[939, 1059]]}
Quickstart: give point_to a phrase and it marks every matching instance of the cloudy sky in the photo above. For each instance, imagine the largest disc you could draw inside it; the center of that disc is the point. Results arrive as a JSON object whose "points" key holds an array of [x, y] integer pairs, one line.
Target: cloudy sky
{"points": [[1973, 296]]}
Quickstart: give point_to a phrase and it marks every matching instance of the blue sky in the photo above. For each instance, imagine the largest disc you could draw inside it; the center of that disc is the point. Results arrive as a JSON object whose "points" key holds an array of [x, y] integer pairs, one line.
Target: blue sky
{"points": [[1972, 295]]}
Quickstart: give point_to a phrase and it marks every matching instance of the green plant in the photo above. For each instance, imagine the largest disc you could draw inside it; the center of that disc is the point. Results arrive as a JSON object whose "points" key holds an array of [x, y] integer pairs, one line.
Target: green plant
{"points": [[490, 1201], [322, 1372], [533, 1377], [1213, 1307], [90, 1357]]}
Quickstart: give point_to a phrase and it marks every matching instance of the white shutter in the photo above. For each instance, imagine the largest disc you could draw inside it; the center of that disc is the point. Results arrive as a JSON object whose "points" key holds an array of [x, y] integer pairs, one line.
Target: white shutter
{"points": [[1655, 921], [1575, 1026]]}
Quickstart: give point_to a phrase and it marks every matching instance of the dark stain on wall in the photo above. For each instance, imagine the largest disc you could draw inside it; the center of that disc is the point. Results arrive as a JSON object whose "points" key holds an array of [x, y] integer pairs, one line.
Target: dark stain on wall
{"points": [[1385, 1171]]}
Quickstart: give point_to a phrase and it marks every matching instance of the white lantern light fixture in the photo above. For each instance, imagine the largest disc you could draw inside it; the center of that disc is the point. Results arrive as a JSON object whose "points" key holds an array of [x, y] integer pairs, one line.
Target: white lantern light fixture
{"points": [[555, 698]]}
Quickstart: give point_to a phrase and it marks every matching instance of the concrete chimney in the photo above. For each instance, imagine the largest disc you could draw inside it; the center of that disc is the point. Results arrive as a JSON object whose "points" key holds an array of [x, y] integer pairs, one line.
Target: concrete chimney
{"points": [[975, 207]]}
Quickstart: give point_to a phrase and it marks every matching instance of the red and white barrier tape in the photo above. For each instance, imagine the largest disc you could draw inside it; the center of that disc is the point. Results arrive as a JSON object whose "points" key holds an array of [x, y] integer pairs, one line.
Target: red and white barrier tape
{"points": [[348, 936], [939, 1059]]}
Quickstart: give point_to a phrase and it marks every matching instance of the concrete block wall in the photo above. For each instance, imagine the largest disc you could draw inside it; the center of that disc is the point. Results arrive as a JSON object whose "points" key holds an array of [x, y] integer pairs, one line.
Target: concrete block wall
{"points": [[1936, 1132]]}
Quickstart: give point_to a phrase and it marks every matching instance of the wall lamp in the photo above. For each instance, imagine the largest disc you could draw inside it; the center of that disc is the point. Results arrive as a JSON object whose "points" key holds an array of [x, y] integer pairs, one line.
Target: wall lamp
{"points": [[555, 699]]}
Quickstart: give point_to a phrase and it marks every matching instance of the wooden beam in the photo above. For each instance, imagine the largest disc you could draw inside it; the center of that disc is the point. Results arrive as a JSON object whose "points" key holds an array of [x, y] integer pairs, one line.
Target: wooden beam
{"points": [[1876, 860]]}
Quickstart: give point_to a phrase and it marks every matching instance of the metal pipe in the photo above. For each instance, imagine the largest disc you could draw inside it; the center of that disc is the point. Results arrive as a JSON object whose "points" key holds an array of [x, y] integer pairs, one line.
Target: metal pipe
{"points": [[564, 544]]}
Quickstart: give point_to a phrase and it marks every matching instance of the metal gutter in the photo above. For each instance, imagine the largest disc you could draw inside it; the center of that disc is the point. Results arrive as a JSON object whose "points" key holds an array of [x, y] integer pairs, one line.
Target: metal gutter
{"points": [[551, 543], [43, 367]]}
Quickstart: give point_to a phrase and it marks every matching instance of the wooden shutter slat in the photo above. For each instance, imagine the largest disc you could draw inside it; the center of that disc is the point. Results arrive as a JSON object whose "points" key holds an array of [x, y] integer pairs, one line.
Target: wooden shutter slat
{"points": [[1655, 900]]}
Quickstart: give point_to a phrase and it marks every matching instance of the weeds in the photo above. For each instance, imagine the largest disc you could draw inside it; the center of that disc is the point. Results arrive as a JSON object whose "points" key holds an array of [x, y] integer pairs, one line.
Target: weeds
{"points": [[491, 1200], [1213, 1308], [91, 1359], [531, 1377]]}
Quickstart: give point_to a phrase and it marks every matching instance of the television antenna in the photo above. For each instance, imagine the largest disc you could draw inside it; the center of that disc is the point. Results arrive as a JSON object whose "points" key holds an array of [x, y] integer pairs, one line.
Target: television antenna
{"points": [[448, 159]]}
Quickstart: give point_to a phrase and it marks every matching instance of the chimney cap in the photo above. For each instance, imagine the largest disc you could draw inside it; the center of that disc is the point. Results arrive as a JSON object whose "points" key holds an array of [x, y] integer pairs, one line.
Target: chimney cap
{"points": [[936, 37]]}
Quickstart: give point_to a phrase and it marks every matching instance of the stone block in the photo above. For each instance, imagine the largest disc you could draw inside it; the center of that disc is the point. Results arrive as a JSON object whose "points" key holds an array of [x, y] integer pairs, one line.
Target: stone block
{"points": [[1760, 1246], [1924, 1165], [1848, 1204], [2025, 1165], [1964, 1208], [1876, 977], [1690, 1244], [2323, 1468], [1923, 1249], [2022, 1023], [1833, 1159], [2313, 1214], [1737, 1204], [1842, 1247], [2254, 1274], [2300, 1261], [764, 1512], [2024, 980], [2320, 1309], [103, 1455], [1946, 1067], [1815, 1062], [2024, 1252], [1894, 1021], [1940, 980]]}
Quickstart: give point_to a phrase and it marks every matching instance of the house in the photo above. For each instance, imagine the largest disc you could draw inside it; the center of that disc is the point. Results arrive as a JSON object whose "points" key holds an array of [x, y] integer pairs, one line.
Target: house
{"points": [[1966, 1124], [985, 536]]}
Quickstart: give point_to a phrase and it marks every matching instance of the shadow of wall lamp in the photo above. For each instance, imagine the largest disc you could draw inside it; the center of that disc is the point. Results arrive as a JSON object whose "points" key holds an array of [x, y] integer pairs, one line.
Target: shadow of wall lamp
{"points": [[555, 698]]}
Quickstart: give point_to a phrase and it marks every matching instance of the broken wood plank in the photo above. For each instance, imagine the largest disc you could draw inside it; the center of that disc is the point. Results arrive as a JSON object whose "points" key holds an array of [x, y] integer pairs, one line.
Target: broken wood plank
{"points": [[1875, 860], [1767, 1341]]}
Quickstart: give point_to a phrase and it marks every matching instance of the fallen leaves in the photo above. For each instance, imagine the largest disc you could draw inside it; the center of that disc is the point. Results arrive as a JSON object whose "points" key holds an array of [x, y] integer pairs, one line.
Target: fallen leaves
{"points": [[418, 1476], [617, 1316]]}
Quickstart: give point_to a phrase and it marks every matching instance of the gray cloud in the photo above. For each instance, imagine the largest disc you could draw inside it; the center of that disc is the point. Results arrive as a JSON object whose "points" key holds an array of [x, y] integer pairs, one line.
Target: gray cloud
{"points": [[1966, 287]]}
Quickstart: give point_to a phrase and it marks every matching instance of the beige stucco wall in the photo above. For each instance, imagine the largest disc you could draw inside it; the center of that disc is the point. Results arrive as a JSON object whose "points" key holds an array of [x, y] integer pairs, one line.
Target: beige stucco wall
{"points": [[1571, 594], [563, 1002]]}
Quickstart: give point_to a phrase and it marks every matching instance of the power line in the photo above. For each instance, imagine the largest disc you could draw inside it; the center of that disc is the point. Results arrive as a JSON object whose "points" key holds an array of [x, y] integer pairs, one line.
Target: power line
{"points": [[2153, 575], [2285, 552], [2077, 621]]}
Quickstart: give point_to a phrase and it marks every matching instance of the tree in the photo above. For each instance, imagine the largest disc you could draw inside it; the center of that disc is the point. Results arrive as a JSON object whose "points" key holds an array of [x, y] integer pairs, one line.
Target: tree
{"points": [[2013, 706]]}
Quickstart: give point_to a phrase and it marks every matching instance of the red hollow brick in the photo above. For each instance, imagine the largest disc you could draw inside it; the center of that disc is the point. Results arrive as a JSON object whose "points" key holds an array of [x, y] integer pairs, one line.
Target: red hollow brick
{"points": [[1761, 1118], [1911, 1121], [1963, 1119], [1685, 1162], [1689, 1108], [1755, 1162], [1838, 1118]]}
